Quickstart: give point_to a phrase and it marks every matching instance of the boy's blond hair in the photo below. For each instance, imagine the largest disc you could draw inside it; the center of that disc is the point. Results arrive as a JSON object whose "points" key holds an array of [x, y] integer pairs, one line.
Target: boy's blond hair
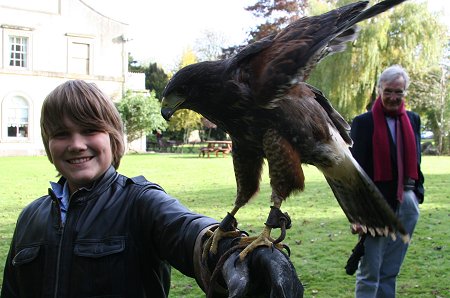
{"points": [[86, 106]]}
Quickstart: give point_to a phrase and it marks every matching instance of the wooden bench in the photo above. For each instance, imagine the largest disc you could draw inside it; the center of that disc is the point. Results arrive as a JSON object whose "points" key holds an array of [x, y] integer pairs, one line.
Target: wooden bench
{"points": [[224, 150], [206, 150], [217, 147]]}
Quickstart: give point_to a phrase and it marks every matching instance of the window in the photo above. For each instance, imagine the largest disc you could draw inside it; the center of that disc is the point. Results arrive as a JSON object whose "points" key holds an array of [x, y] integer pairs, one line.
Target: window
{"points": [[17, 47], [17, 110], [18, 51], [80, 49], [79, 58]]}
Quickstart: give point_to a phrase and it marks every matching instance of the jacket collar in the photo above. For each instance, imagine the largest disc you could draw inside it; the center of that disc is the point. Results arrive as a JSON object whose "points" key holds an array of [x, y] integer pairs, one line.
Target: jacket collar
{"points": [[99, 186]]}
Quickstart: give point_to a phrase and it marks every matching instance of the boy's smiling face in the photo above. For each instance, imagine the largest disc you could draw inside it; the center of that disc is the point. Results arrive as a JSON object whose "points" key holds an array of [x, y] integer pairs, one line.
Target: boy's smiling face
{"points": [[80, 155]]}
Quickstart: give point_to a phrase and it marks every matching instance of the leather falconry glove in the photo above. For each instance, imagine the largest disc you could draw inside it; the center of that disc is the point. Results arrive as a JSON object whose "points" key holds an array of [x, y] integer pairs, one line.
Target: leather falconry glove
{"points": [[265, 272]]}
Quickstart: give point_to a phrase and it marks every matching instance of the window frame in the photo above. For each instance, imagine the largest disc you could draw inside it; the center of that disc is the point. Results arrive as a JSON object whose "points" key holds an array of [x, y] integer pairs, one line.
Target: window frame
{"points": [[18, 51], [6, 106], [17, 32], [79, 39]]}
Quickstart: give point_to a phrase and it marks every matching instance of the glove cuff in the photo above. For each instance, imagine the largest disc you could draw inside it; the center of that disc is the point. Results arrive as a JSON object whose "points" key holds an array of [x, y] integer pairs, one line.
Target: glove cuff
{"points": [[201, 271]]}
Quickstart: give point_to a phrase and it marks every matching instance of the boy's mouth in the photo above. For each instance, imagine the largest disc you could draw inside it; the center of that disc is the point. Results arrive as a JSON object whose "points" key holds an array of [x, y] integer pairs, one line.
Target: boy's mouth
{"points": [[79, 160]]}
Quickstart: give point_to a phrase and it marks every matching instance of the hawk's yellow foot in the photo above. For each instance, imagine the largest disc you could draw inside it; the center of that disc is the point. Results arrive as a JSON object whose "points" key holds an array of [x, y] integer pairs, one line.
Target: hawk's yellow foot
{"points": [[276, 219], [227, 228]]}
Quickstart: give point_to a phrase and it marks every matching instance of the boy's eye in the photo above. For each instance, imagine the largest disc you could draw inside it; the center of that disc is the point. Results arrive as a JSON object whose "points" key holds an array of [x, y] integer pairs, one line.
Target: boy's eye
{"points": [[90, 131], [60, 134]]}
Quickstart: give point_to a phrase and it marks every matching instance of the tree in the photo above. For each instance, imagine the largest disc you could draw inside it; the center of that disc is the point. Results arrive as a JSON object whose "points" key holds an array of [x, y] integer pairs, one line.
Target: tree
{"points": [[408, 35], [209, 47], [140, 113], [429, 96], [155, 79], [187, 57], [277, 15], [134, 65]]}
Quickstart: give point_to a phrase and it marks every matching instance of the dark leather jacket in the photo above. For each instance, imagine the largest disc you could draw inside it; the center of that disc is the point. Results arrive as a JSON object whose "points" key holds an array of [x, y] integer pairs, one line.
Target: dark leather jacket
{"points": [[118, 240]]}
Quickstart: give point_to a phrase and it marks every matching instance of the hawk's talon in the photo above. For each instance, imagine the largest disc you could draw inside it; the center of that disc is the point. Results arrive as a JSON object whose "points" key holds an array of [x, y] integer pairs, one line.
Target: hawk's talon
{"points": [[278, 219], [251, 243], [283, 231], [245, 233], [286, 247]]}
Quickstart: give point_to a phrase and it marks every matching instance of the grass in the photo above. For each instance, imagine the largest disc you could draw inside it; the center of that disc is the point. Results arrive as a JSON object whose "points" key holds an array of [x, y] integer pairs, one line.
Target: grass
{"points": [[320, 240]]}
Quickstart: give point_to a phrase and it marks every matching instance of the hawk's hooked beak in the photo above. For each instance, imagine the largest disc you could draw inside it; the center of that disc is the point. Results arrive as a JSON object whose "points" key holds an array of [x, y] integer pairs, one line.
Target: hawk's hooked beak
{"points": [[170, 105]]}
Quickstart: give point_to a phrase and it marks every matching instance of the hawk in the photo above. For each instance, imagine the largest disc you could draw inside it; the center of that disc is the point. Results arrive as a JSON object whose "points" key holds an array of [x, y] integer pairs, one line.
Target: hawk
{"points": [[259, 96]]}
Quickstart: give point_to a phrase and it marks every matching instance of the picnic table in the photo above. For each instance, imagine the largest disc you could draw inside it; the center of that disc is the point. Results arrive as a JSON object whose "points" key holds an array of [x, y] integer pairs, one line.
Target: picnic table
{"points": [[224, 147]]}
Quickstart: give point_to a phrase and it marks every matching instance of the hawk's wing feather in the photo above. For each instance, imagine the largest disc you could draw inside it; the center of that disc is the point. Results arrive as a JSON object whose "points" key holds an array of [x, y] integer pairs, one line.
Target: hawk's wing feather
{"points": [[250, 51], [360, 199], [297, 49], [338, 121], [279, 61]]}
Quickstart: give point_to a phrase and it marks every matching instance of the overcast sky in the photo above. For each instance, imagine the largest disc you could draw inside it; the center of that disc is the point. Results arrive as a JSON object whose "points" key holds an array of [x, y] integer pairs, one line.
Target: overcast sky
{"points": [[160, 30]]}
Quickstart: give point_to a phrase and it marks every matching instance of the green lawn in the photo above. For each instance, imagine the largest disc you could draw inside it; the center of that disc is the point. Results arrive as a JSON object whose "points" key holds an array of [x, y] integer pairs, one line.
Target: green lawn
{"points": [[320, 240]]}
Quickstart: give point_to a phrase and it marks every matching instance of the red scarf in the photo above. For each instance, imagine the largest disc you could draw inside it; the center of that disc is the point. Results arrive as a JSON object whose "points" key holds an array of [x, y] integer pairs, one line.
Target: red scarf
{"points": [[381, 149]]}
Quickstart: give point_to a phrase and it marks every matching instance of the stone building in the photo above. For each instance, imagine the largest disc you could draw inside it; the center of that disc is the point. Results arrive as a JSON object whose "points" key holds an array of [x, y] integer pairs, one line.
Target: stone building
{"points": [[44, 43]]}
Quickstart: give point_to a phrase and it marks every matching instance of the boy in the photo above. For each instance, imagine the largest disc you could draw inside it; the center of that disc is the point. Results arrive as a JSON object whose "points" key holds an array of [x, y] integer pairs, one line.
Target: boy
{"points": [[99, 233]]}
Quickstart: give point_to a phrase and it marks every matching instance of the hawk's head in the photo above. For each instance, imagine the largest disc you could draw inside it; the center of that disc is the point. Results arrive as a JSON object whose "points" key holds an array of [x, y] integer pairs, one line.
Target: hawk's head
{"points": [[193, 87]]}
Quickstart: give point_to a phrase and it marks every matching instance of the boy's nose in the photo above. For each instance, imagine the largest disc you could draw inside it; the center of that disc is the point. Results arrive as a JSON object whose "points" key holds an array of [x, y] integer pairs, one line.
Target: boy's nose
{"points": [[77, 143]]}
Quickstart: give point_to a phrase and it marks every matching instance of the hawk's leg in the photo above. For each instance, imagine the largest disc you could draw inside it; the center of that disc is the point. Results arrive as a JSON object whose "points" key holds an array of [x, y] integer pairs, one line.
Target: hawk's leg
{"points": [[286, 176], [276, 219], [247, 169], [227, 228]]}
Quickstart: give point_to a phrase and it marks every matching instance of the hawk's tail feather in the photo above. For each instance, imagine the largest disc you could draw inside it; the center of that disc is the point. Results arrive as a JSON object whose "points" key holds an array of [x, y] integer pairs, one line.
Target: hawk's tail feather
{"points": [[360, 199], [339, 43], [375, 10]]}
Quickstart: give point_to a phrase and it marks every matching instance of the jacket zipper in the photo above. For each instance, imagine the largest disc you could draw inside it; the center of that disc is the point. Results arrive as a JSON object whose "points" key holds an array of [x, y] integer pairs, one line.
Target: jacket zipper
{"points": [[58, 260], [60, 248], [60, 231]]}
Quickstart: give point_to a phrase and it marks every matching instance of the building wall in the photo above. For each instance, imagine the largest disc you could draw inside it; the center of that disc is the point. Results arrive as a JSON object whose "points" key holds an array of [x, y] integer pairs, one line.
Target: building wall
{"points": [[65, 39]]}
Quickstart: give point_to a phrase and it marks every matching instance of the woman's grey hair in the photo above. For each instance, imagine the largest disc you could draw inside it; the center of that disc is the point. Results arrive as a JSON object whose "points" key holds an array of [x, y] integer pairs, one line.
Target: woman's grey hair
{"points": [[393, 72]]}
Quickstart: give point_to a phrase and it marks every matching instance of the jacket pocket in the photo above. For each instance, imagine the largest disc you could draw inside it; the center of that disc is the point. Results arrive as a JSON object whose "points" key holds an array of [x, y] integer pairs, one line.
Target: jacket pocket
{"points": [[93, 249], [28, 264], [99, 267], [26, 255]]}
